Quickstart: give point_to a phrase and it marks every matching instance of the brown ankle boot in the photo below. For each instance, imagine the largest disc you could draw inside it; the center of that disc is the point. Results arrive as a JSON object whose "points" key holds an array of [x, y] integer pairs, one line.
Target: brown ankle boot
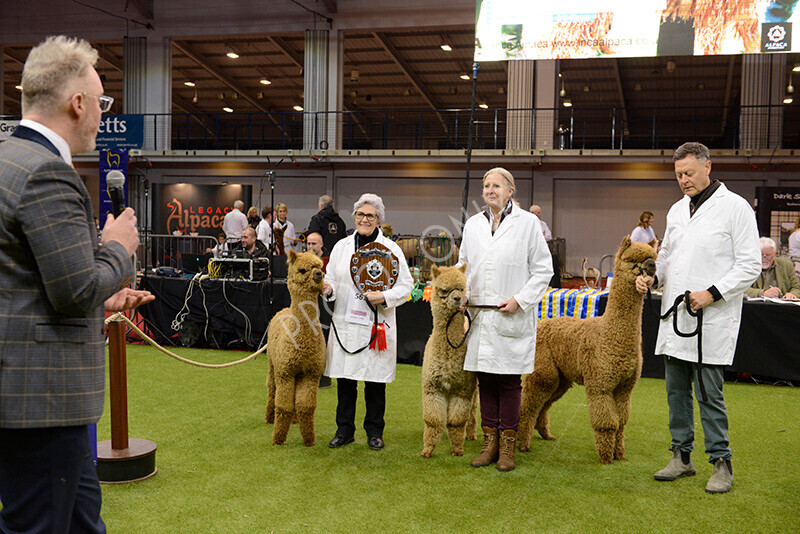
{"points": [[490, 448], [508, 441]]}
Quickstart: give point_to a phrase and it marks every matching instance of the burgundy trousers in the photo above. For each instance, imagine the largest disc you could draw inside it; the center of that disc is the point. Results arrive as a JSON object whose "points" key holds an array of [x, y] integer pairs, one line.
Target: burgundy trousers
{"points": [[500, 400]]}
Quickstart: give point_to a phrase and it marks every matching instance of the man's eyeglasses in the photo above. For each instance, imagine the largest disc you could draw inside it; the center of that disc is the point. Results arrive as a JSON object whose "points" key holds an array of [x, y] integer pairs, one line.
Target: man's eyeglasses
{"points": [[370, 217], [104, 100]]}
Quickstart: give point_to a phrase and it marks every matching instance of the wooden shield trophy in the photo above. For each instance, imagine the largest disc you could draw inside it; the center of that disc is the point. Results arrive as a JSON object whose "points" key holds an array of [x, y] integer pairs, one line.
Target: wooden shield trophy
{"points": [[373, 267]]}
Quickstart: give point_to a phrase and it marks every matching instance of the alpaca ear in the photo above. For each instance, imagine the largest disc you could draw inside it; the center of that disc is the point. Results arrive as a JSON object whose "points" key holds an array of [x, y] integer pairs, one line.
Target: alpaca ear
{"points": [[463, 268], [434, 271], [626, 242], [292, 255]]}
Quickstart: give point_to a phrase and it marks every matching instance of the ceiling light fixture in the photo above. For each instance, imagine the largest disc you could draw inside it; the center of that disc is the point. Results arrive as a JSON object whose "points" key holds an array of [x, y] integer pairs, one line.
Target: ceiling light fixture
{"points": [[796, 67], [226, 109], [464, 76], [194, 98], [354, 74], [232, 55], [189, 83], [18, 87], [297, 108], [567, 103], [483, 105], [563, 92], [787, 100], [264, 81], [446, 47]]}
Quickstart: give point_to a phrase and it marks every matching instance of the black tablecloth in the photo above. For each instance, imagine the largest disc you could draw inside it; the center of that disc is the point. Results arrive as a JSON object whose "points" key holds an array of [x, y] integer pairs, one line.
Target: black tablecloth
{"points": [[768, 343], [221, 313]]}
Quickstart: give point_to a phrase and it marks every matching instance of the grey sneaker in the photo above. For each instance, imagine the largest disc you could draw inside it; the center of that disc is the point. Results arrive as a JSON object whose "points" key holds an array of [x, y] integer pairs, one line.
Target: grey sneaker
{"points": [[680, 465], [722, 477]]}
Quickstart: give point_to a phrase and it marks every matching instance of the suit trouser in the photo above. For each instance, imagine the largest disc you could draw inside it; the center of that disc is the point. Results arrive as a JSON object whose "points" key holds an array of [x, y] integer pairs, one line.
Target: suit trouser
{"points": [[375, 400], [679, 376], [48, 481]]}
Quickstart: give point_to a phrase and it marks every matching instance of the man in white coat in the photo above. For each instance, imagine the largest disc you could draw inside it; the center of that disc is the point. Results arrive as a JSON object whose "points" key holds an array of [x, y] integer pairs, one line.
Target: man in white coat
{"points": [[353, 321], [234, 223], [710, 249]]}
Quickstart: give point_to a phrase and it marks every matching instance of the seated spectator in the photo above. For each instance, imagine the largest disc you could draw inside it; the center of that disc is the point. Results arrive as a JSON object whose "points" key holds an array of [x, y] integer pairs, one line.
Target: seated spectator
{"points": [[777, 278], [314, 243], [250, 247], [220, 246], [644, 232]]}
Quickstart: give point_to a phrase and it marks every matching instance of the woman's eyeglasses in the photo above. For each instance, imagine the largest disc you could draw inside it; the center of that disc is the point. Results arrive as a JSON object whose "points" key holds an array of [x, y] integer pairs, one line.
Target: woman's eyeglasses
{"points": [[370, 217]]}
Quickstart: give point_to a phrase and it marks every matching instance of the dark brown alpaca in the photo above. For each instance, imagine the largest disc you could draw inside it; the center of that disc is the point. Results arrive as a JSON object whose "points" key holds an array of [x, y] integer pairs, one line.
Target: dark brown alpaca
{"points": [[602, 353]]}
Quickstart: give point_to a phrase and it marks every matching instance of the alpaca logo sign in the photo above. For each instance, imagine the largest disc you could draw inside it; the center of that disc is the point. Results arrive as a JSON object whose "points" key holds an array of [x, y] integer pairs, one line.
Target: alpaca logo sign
{"points": [[776, 37]]}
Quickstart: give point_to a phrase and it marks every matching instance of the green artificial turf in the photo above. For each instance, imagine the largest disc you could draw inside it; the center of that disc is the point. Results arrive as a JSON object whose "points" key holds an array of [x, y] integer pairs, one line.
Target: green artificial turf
{"points": [[218, 472]]}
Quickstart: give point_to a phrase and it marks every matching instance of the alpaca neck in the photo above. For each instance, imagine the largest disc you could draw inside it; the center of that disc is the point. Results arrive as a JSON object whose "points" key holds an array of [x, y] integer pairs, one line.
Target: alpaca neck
{"points": [[304, 304], [624, 304], [456, 328]]}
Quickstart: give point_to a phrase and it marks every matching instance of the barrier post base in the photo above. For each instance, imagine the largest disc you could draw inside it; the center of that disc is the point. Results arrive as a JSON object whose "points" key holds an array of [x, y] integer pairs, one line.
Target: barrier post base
{"points": [[119, 466]]}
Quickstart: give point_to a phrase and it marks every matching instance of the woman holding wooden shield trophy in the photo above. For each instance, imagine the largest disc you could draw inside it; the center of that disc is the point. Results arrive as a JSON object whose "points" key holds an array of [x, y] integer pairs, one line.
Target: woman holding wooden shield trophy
{"points": [[367, 277]]}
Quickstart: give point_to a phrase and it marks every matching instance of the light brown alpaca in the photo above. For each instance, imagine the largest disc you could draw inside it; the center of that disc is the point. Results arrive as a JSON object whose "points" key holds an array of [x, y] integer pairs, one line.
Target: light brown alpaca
{"points": [[602, 353], [448, 392], [296, 352]]}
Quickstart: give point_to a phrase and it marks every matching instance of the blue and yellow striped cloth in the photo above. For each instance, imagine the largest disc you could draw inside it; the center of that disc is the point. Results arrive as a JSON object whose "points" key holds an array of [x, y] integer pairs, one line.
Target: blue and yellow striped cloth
{"points": [[581, 303]]}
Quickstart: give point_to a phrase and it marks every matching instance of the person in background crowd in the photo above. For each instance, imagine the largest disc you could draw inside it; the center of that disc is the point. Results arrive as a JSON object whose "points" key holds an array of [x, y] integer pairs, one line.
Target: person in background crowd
{"points": [[328, 224], [234, 223], [250, 246], [281, 222], [509, 267], [794, 244], [55, 284], [537, 210], [644, 232], [711, 249], [221, 245], [777, 278], [252, 217], [353, 324], [314, 244], [264, 228]]}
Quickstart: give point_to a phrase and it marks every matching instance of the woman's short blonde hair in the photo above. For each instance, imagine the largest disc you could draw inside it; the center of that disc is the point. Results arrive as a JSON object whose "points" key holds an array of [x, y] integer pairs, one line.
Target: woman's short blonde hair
{"points": [[51, 68], [505, 174], [281, 205]]}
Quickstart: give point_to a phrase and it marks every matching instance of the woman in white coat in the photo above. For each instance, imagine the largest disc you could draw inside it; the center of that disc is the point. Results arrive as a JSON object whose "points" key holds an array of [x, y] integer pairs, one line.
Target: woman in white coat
{"points": [[284, 224], [353, 320], [508, 267]]}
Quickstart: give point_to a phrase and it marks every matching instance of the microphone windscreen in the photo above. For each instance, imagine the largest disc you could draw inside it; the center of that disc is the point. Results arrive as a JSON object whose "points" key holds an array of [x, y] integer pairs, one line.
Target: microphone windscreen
{"points": [[115, 179]]}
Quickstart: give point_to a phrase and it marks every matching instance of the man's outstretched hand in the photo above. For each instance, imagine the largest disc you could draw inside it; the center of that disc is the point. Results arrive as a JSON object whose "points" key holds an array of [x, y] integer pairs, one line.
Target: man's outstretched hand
{"points": [[127, 299]]}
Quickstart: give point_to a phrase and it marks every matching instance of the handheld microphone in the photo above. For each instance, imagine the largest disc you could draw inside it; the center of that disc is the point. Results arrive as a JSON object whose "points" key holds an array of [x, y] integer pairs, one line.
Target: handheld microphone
{"points": [[116, 183]]}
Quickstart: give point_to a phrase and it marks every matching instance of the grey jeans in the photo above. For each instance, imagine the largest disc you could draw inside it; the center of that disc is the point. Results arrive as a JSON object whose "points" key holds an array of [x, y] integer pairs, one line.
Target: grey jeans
{"points": [[713, 414]]}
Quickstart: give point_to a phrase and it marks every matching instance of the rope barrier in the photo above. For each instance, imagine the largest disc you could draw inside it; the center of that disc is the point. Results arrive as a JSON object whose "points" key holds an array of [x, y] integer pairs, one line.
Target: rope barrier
{"points": [[120, 317]]}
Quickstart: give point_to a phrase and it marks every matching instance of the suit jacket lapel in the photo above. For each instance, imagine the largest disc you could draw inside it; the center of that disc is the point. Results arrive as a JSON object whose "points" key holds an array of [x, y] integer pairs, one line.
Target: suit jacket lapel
{"points": [[23, 132]]}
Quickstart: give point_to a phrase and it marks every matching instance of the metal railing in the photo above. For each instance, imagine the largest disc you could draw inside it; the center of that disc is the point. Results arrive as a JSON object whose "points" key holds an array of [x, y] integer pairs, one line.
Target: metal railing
{"points": [[613, 128]]}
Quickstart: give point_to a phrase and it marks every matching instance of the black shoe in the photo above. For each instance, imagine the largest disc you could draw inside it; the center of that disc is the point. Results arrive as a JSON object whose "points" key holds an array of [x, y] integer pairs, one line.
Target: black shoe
{"points": [[376, 443], [340, 441]]}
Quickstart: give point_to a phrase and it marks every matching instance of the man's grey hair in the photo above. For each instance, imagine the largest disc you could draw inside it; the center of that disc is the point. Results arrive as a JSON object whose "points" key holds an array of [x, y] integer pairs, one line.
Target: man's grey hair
{"points": [[698, 150], [325, 201], [535, 209], [373, 200], [50, 69], [766, 242], [238, 204]]}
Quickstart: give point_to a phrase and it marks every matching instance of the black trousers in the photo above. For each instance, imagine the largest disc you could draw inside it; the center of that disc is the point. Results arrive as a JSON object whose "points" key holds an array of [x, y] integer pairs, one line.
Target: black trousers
{"points": [[48, 481], [375, 399]]}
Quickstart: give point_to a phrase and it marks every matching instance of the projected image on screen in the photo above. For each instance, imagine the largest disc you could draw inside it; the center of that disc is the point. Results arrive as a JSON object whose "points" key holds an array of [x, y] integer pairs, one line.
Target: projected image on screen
{"points": [[509, 29]]}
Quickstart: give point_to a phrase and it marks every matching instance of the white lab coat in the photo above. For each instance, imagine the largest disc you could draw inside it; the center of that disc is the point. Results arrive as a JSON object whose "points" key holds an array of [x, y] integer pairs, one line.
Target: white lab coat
{"points": [[369, 365], [514, 262], [717, 246]]}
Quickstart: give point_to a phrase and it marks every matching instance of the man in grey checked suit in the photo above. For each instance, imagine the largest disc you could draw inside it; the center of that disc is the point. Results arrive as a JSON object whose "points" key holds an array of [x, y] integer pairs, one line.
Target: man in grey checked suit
{"points": [[55, 282]]}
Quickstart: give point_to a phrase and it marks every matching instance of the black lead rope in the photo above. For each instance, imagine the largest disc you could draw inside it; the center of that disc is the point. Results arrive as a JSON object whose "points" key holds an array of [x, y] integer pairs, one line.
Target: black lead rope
{"points": [[698, 331], [447, 329], [371, 339]]}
